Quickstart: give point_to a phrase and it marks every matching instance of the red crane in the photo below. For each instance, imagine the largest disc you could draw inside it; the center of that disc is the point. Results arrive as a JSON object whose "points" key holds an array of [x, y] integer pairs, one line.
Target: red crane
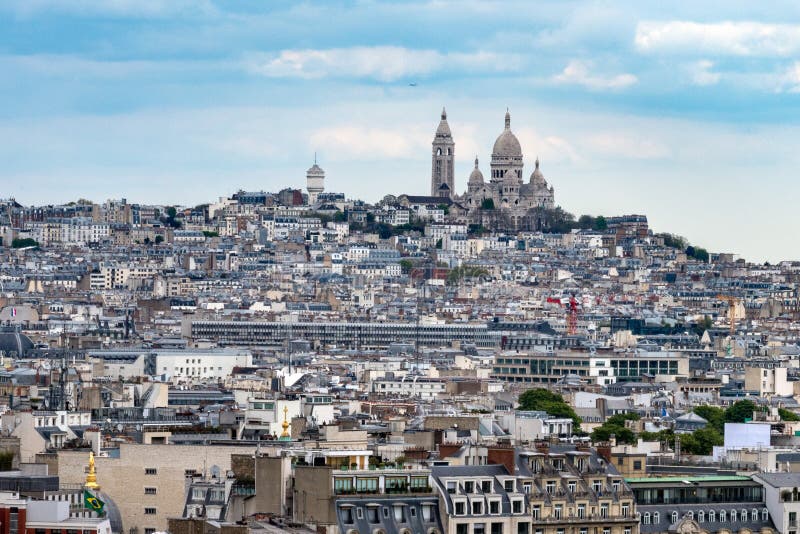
{"points": [[572, 315]]}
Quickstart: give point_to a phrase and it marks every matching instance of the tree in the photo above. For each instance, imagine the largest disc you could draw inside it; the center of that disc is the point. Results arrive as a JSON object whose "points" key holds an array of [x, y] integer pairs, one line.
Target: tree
{"points": [[715, 417], [788, 415], [701, 442], [585, 222], [540, 399], [406, 265], [210, 234], [674, 241], [739, 411], [439, 243], [340, 216], [487, 204], [615, 425], [24, 242], [159, 239], [600, 223]]}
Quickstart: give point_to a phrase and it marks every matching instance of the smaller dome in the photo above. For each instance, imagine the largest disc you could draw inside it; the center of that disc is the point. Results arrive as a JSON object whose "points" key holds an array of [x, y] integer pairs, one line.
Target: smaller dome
{"points": [[476, 176], [13, 342], [537, 177]]}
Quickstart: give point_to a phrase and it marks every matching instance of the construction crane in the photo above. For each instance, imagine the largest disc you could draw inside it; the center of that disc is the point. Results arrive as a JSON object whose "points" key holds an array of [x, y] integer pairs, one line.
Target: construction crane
{"points": [[571, 306]]}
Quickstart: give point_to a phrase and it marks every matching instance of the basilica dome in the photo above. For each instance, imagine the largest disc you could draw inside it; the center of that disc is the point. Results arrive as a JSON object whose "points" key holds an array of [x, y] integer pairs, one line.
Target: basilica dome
{"points": [[476, 176], [537, 177], [507, 144]]}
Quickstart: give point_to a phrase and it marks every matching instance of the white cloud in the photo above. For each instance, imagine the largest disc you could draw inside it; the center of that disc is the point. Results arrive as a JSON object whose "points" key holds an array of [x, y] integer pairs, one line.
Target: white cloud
{"points": [[113, 8], [577, 72], [347, 141], [548, 148], [701, 73], [744, 38], [384, 63], [789, 81], [627, 146]]}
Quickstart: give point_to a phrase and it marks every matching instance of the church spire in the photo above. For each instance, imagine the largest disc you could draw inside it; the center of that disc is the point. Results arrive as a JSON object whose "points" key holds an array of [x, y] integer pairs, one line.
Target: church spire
{"points": [[444, 114], [476, 161], [508, 120]]}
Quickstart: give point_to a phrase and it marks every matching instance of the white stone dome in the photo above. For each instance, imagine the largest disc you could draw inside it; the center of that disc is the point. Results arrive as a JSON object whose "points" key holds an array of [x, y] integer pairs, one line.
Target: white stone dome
{"points": [[507, 144], [536, 176], [476, 176]]}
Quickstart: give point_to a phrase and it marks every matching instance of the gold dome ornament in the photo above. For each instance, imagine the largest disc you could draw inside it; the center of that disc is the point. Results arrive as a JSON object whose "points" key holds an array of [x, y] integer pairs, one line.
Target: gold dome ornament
{"points": [[91, 477], [285, 435]]}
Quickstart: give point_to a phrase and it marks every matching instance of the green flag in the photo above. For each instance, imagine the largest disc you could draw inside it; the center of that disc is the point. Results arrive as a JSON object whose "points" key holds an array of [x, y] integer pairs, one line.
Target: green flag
{"points": [[92, 503]]}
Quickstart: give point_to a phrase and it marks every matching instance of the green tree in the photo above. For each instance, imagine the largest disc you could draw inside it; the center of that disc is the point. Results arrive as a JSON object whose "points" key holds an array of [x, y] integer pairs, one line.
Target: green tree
{"points": [[600, 223], [585, 222], [715, 417], [439, 243], [172, 212], [24, 242], [701, 442], [406, 265], [615, 425], [739, 411], [487, 204], [340, 216], [159, 239], [674, 241], [540, 399], [210, 234], [788, 415]]}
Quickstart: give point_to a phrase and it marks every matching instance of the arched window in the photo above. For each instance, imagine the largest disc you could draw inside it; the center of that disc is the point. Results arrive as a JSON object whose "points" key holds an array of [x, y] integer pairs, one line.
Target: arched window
{"points": [[722, 516], [646, 519], [712, 516], [734, 516], [656, 517], [701, 516], [691, 515], [753, 515], [674, 517], [438, 151], [765, 515]]}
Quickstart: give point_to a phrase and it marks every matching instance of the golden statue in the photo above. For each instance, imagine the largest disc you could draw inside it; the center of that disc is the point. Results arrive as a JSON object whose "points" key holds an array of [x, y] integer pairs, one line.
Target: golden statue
{"points": [[91, 477], [286, 424]]}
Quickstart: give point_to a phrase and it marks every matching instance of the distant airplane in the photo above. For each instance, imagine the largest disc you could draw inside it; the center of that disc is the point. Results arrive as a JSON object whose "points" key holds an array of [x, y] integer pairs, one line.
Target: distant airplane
{"points": [[412, 84]]}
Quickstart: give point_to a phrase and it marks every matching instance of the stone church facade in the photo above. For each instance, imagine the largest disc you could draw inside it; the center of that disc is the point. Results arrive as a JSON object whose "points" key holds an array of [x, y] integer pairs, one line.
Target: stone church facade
{"points": [[506, 200]]}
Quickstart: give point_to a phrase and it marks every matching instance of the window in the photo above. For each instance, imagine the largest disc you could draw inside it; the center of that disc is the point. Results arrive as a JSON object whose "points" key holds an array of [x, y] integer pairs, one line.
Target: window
{"points": [[508, 485], [460, 508], [627, 530], [536, 511], [744, 515], [150, 491], [497, 528], [754, 515], [604, 510], [572, 485], [469, 486], [723, 516], [701, 516], [581, 511], [734, 516], [477, 507], [150, 471], [674, 517], [712, 516], [486, 486], [372, 514], [526, 487], [451, 486], [347, 516], [516, 506], [523, 528], [360, 513], [656, 517], [557, 511], [479, 528], [637, 464], [462, 528], [764, 515], [645, 518], [149, 531], [150, 511], [606, 531], [625, 510], [494, 507], [550, 487]]}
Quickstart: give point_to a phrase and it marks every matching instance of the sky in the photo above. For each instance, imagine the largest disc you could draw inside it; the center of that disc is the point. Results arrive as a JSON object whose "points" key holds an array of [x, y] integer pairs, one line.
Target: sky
{"points": [[688, 112]]}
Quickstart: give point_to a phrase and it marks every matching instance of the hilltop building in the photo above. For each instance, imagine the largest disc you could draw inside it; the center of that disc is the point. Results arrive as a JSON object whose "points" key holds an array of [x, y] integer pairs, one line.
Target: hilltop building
{"points": [[507, 195]]}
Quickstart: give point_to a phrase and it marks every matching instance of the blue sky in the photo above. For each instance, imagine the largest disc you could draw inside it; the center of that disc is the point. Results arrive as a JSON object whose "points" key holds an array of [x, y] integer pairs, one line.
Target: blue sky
{"points": [[687, 112]]}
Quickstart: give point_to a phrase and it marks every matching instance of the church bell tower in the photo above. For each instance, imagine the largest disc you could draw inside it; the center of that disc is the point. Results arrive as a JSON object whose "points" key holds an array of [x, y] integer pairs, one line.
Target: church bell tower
{"points": [[443, 155]]}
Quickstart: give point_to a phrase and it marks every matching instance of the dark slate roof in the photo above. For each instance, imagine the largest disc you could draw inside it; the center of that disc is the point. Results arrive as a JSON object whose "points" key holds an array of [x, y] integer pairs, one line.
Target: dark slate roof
{"points": [[412, 521]]}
